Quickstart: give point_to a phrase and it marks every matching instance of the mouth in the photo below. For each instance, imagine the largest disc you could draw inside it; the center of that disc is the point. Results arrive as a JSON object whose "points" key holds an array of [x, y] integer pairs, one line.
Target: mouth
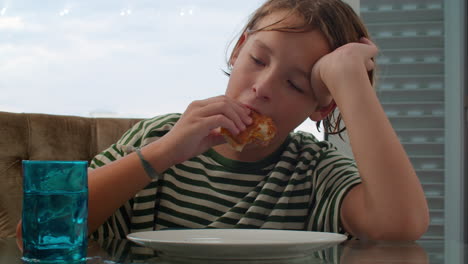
{"points": [[252, 108]]}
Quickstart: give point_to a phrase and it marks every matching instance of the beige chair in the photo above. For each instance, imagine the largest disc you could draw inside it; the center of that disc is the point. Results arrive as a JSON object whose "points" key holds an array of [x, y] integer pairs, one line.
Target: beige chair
{"points": [[46, 137]]}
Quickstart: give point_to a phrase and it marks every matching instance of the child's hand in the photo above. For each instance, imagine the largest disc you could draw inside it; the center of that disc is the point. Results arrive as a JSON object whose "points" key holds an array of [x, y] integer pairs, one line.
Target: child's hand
{"points": [[197, 129], [341, 65], [19, 235]]}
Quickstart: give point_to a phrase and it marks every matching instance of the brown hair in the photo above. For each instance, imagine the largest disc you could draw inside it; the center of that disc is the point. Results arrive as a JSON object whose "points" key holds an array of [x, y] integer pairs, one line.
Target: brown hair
{"points": [[334, 18]]}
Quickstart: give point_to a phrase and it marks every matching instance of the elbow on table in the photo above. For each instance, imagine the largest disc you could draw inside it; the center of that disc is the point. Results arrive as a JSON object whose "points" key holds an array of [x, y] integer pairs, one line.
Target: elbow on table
{"points": [[401, 230]]}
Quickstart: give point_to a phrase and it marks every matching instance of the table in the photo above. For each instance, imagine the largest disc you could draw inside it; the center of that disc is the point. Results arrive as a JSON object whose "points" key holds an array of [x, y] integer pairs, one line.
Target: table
{"points": [[349, 252]]}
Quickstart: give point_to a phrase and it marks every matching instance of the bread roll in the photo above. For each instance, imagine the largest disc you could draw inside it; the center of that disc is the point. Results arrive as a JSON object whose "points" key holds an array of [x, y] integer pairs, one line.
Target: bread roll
{"points": [[261, 131]]}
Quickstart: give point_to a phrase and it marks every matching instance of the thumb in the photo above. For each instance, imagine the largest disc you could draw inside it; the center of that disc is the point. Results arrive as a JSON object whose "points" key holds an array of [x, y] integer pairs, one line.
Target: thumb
{"points": [[215, 138]]}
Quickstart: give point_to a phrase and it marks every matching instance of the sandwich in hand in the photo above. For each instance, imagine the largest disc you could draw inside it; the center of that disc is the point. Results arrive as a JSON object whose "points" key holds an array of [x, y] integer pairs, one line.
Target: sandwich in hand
{"points": [[261, 131]]}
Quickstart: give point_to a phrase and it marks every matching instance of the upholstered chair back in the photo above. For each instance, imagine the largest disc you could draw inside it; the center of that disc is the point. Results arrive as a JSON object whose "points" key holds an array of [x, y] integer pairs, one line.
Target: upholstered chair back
{"points": [[46, 137]]}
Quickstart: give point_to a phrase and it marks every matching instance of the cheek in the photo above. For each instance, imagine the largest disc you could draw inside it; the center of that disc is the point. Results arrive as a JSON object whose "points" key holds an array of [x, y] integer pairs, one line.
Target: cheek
{"points": [[238, 82], [234, 86], [293, 111]]}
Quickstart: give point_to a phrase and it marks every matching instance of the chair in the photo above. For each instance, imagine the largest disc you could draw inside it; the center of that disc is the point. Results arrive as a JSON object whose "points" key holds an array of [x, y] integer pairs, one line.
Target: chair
{"points": [[25, 136]]}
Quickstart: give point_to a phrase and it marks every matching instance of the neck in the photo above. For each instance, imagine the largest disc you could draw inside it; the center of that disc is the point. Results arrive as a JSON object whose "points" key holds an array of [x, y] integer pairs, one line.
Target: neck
{"points": [[251, 153]]}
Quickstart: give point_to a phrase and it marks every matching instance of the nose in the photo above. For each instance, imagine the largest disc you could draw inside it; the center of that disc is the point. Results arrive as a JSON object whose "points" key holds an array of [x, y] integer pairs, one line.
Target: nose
{"points": [[264, 86], [259, 93]]}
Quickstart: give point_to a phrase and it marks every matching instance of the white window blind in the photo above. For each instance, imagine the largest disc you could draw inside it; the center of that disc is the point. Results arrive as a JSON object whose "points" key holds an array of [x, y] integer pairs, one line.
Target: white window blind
{"points": [[422, 86], [421, 66], [410, 86], [410, 35]]}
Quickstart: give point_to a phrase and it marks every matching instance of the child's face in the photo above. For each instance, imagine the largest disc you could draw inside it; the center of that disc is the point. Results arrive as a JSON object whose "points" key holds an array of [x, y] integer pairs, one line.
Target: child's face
{"points": [[271, 73]]}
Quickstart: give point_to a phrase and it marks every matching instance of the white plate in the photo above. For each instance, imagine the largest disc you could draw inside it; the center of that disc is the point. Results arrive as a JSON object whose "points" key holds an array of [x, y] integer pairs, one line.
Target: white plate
{"points": [[239, 244]]}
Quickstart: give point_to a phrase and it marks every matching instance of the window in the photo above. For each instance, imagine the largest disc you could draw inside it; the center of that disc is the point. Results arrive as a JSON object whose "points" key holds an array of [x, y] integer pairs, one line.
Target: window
{"points": [[422, 78], [116, 58]]}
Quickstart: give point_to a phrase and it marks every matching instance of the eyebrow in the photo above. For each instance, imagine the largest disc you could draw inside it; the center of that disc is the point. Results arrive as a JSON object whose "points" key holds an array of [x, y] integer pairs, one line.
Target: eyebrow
{"points": [[306, 75], [262, 45]]}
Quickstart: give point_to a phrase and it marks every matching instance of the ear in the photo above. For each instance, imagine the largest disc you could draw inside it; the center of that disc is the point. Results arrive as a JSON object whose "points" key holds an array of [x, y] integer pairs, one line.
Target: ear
{"points": [[322, 112], [237, 48]]}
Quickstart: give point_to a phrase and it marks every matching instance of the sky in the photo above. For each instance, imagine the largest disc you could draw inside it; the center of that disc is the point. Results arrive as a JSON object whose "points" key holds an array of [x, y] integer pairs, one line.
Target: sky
{"points": [[116, 58]]}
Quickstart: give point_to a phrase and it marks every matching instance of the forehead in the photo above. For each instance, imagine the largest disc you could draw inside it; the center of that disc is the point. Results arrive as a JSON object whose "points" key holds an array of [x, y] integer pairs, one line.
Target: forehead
{"points": [[303, 46], [279, 20]]}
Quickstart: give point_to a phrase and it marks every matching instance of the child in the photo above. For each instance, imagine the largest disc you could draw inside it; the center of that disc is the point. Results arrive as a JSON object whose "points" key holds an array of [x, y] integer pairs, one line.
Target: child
{"points": [[295, 59]]}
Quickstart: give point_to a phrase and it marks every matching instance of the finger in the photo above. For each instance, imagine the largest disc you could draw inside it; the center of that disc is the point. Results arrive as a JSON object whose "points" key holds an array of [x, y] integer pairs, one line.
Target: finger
{"points": [[215, 138], [202, 103], [19, 236], [240, 108], [370, 65], [374, 49], [226, 110], [208, 101], [231, 110], [367, 41], [244, 112], [220, 120]]}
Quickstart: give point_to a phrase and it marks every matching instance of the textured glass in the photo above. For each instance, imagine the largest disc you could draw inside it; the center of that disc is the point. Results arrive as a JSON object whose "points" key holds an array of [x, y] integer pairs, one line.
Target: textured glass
{"points": [[55, 211]]}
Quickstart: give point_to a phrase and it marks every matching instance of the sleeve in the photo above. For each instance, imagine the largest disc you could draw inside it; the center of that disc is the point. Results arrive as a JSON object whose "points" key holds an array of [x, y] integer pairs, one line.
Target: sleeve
{"points": [[334, 176], [144, 132]]}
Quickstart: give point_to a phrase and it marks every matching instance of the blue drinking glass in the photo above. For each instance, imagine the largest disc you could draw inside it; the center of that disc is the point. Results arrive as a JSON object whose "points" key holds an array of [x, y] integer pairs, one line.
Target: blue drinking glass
{"points": [[55, 211]]}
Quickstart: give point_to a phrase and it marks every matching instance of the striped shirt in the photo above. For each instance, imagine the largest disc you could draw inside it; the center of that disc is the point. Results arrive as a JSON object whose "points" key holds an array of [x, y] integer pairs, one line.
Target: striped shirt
{"points": [[299, 187]]}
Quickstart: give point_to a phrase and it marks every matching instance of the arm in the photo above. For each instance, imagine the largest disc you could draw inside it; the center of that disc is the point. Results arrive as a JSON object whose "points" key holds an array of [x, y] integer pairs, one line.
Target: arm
{"points": [[112, 185], [390, 203]]}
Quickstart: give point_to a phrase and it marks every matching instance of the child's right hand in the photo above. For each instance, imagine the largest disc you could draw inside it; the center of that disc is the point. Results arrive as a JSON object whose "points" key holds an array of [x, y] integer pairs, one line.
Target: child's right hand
{"points": [[197, 129]]}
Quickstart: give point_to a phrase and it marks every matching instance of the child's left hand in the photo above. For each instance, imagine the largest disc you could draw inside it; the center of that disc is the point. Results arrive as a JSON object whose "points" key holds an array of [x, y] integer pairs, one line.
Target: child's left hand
{"points": [[341, 65], [389, 204]]}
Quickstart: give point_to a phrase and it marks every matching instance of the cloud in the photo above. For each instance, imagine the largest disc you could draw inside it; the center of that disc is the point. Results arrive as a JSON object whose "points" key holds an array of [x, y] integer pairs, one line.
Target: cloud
{"points": [[155, 60], [22, 60], [18, 24], [11, 23]]}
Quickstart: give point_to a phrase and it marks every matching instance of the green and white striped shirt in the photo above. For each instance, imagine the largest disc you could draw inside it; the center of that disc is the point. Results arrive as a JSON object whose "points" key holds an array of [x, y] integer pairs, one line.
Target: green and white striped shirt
{"points": [[299, 187]]}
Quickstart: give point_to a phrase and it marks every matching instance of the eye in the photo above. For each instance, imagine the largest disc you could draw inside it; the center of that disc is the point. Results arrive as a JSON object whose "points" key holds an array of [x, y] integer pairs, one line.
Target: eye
{"points": [[295, 87], [257, 61]]}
